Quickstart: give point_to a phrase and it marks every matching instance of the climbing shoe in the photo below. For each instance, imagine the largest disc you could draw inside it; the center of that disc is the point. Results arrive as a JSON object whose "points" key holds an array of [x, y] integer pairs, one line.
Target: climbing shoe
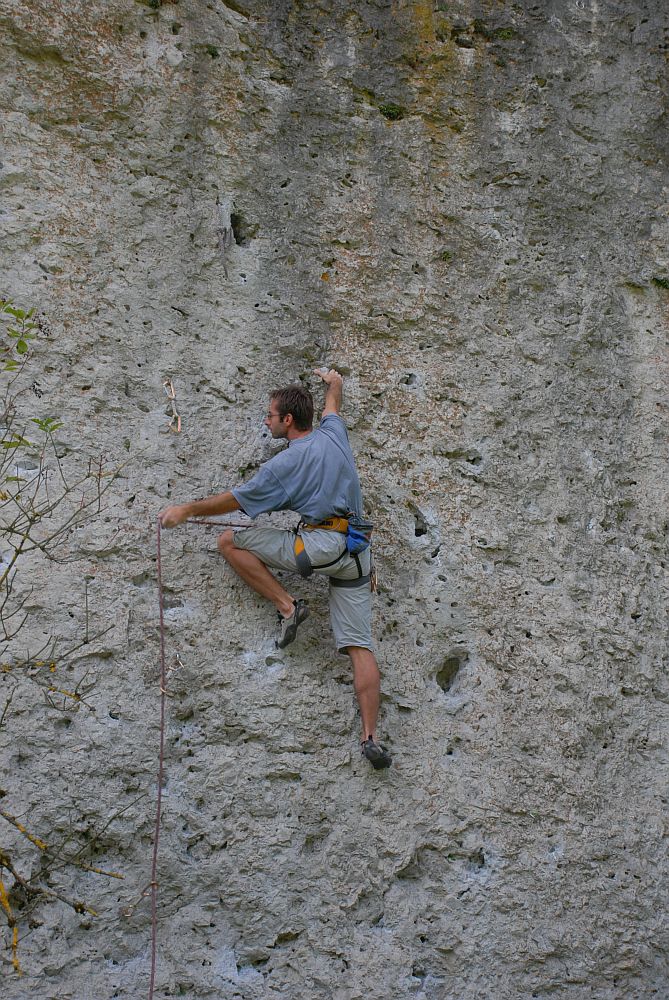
{"points": [[377, 755], [288, 626]]}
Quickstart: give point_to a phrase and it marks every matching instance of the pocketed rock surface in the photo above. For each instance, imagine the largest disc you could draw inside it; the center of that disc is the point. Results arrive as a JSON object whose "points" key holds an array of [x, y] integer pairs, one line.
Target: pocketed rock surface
{"points": [[463, 206]]}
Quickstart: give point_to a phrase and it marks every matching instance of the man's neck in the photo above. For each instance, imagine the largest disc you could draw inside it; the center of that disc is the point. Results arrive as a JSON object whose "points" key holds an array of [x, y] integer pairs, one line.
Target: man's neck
{"points": [[294, 435]]}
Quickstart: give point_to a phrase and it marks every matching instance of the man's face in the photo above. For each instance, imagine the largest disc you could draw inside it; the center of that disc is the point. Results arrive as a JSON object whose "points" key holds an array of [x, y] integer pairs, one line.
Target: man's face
{"points": [[274, 422]]}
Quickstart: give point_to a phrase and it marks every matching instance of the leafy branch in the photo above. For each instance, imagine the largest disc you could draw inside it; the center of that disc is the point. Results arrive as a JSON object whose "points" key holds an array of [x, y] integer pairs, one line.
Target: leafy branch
{"points": [[21, 329], [41, 504]]}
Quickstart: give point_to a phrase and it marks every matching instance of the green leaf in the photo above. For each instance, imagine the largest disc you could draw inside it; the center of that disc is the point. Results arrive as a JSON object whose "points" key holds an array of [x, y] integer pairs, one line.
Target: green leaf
{"points": [[21, 347], [15, 441], [47, 424]]}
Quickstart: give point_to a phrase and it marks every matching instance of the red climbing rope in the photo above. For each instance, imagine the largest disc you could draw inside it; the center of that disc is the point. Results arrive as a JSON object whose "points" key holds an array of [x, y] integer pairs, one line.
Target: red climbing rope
{"points": [[156, 835], [161, 759], [220, 524]]}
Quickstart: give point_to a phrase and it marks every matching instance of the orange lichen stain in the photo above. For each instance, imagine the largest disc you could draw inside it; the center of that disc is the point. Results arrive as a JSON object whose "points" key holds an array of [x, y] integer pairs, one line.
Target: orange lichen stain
{"points": [[101, 871], [325, 276], [423, 14], [4, 899], [15, 951], [436, 70], [31, 837], [4, 902], [67, 694]]}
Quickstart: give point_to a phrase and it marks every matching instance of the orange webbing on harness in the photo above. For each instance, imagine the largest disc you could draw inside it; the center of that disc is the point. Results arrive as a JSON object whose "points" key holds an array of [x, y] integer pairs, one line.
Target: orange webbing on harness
{"points": [[329, 524], [302, 560]]}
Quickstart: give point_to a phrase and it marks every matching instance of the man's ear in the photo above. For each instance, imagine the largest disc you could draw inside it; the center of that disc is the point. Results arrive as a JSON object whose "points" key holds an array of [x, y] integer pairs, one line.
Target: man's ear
{"points": [[288, 420]]}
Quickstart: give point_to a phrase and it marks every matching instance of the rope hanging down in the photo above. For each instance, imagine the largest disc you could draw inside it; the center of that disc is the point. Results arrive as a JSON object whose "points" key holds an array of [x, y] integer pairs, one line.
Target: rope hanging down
{"points": [[161, 761], [161, 758]]}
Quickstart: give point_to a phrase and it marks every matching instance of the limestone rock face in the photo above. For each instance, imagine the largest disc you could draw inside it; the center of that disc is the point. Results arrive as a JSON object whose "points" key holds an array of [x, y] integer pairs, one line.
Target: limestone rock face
{"points": [[463, 206]]}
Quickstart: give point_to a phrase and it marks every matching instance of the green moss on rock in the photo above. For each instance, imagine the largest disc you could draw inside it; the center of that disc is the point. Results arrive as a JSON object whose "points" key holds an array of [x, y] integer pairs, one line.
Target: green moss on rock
{"points": [[393, 112]]}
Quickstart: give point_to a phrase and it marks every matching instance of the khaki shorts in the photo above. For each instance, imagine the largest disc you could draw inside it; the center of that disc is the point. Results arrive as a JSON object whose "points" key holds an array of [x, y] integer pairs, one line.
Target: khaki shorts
{"points": [[350, 607]]}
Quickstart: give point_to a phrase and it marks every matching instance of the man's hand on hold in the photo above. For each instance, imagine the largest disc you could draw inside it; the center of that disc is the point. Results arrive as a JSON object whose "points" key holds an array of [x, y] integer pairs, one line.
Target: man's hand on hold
{"points": [[222, 503], [173, 516], [333, 391], [328, 376]]}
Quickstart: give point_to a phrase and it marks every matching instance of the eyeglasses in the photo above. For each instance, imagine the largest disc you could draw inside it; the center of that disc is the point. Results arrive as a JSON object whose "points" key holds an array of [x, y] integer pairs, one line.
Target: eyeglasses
{"points": [[270, 415]]}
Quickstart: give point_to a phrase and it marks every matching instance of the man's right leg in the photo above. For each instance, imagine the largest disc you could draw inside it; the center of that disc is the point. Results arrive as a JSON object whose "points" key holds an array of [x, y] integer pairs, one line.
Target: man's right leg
{"points": [[350, 615], [367, 686]]}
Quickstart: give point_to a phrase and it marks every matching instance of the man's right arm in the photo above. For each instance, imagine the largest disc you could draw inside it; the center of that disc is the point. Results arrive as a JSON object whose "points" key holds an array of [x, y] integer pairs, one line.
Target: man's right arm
{"points": [[222, 503]]}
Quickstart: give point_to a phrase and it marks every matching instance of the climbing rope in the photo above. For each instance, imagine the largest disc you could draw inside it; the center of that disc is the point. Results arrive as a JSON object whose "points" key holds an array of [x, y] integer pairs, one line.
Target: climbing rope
{"points": [[161, 756], [220, 524], [161, 762]]}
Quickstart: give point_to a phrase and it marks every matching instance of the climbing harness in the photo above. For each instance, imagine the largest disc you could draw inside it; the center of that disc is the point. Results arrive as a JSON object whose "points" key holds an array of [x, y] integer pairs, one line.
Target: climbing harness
{"points": [[305, 567], [358, 534]]}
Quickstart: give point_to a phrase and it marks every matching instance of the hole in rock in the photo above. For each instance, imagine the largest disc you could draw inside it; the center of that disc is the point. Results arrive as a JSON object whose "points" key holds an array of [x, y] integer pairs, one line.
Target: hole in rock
{"points": [[241, 230], [446, 676], [420, 527], [287, 936], [477, 859]]}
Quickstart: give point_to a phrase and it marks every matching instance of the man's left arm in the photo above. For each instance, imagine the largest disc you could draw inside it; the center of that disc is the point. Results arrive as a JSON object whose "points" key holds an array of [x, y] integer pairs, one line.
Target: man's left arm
{"points": [[222, 503]]}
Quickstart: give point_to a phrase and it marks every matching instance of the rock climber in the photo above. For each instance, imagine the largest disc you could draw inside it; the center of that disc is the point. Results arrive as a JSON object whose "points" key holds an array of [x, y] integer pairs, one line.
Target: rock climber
{"points": [[315, 476]]}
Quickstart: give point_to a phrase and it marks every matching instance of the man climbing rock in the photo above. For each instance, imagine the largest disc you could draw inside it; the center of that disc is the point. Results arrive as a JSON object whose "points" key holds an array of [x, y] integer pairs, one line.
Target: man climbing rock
{"points": [[315, 476]]}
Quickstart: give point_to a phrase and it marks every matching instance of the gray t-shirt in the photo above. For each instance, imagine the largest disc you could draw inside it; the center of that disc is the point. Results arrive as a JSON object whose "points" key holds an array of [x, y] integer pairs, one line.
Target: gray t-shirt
{"points": [[315, 476]]}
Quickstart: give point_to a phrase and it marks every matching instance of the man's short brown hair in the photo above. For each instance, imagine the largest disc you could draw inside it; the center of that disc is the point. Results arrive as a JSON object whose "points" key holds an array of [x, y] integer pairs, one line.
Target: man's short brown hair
{"points": [[297, 400]]}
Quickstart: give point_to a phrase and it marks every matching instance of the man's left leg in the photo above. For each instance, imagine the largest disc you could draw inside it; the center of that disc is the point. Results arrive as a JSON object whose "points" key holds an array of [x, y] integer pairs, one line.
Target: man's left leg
{"points": [[254, 572], [276, 546]]}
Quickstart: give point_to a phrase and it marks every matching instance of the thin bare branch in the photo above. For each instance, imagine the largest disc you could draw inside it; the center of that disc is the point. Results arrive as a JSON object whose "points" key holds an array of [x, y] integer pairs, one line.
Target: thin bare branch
{"points": [[8, 702]]}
